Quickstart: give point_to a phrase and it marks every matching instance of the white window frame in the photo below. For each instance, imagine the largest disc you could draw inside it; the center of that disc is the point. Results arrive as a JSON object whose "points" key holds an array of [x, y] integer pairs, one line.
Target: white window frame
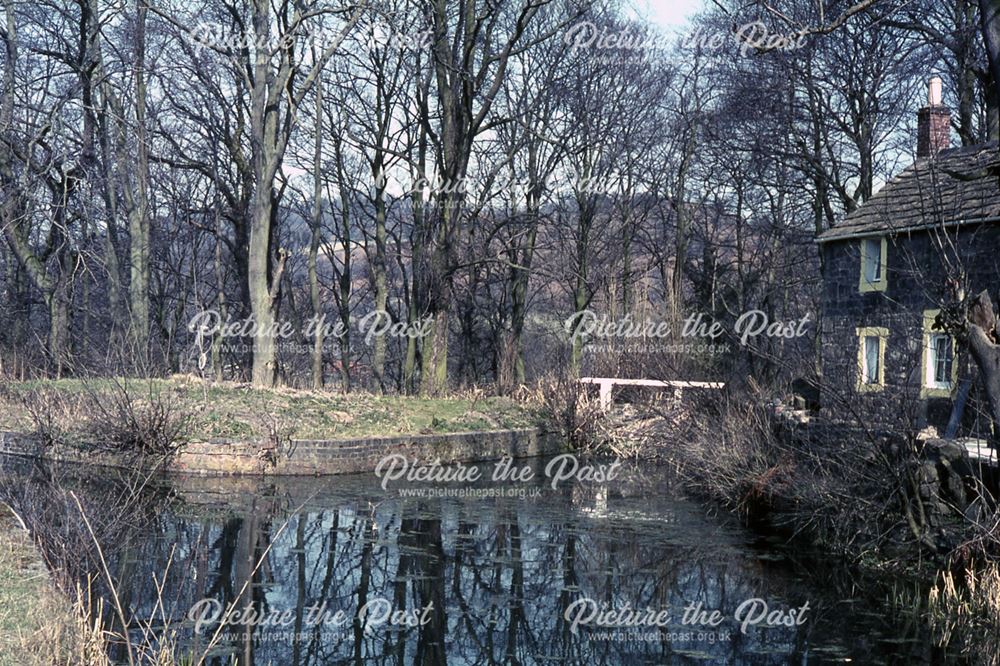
{"points": [[930, 387], [882, 335]]}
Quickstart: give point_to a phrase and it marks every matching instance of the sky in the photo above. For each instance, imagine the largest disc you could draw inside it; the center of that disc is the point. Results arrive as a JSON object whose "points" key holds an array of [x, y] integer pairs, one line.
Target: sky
{"points": [[668, 13]]}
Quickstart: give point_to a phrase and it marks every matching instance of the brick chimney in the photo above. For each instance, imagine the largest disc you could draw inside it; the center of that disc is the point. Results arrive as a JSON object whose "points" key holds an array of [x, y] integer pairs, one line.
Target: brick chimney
{"points": [[933, 122]]}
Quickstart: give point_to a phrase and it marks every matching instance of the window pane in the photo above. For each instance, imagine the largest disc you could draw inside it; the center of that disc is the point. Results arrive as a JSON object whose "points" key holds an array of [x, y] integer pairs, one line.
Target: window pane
{"points": [[872, 257], [939, 359], [871, 359], [942, 360]]}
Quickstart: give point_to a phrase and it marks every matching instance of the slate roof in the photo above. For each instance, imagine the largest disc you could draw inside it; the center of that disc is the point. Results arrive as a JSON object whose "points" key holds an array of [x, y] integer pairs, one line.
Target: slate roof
{"points": [[959, 186]]}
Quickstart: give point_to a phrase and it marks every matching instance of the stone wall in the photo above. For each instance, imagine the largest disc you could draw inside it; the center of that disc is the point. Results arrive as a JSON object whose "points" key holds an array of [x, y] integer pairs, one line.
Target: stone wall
{"points": [[309, 457], [915, 283]]}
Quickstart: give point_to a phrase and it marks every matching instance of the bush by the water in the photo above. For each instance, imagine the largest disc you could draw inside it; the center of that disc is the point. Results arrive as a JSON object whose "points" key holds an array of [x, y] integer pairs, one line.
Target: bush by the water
{"points": [[120, 416]]}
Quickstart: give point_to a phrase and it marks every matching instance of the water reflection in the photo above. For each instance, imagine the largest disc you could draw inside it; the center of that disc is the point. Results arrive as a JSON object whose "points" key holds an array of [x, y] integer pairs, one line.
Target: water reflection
{"points": [[488, 581]]}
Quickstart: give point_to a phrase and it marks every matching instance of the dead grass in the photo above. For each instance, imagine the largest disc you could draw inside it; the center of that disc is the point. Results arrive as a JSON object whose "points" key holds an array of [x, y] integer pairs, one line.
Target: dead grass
{"points": [[235, 411], [968, 609], [37, 625], [42, 626]]}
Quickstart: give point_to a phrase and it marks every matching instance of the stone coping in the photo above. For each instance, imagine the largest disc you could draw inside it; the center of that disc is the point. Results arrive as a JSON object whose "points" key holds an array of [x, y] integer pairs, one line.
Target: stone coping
{"points": [[302, 457]]}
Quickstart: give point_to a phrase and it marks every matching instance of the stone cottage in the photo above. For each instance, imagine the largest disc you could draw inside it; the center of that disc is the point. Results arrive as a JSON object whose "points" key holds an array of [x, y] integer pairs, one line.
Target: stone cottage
{"points": [[887, 268]]}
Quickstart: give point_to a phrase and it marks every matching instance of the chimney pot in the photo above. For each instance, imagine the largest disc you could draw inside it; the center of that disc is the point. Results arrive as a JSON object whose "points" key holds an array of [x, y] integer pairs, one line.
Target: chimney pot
{"points": [[934, 91]]}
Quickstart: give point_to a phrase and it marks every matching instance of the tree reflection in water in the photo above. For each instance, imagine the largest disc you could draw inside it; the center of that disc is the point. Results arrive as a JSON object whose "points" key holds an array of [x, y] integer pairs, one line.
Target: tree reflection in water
{"points": [[499, 574]]}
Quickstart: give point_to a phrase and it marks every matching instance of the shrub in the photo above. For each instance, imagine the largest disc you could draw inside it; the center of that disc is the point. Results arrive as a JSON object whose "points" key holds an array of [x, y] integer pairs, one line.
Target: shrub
{"points": [[571, 411], [110, 414], [124, 422], [727, 451]]}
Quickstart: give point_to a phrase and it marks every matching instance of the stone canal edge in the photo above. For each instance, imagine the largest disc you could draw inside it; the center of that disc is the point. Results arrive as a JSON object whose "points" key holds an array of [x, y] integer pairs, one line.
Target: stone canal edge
{"points": [[219, 457]]}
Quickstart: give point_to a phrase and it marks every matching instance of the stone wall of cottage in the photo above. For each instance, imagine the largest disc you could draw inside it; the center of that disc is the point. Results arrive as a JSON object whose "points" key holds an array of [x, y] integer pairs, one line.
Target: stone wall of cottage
{"points": [[916, 281]]}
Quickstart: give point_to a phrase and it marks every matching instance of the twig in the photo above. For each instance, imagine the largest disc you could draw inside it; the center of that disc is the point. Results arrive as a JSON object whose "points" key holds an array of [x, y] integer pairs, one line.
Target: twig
{"points": [[17, 516]]}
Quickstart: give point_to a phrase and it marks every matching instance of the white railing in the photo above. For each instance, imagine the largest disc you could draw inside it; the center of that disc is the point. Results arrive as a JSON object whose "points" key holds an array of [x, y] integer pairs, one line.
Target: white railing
{"points": [[605, 385]]}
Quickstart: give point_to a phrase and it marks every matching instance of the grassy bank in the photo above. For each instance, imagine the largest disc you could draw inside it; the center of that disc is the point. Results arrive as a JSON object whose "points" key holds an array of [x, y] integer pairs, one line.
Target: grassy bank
{"points": [[37, 626], [42, 626], [234, 411]]}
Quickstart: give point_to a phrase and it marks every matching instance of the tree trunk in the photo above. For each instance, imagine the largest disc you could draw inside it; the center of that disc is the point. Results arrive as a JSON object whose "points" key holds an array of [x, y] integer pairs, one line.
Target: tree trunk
{"points": [[410, 362], [116, 300], [418, 283], [992, 94], [314, 242], [581, 296], [682, 231], [434, 355], [139, 209], [220, 278], [262, 301], [58, 343], [987, 356], [519, 298], [273, 107], [462, 64], [53, 289], [381, 282], [267, 154], [343, 277], [521, 271], [344, 299], [989, 15], [434, 358], [981, 336]]}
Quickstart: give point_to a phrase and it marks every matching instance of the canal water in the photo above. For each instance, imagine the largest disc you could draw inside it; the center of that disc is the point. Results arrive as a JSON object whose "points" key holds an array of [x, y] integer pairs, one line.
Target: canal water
{"points": [[358, 569]]}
